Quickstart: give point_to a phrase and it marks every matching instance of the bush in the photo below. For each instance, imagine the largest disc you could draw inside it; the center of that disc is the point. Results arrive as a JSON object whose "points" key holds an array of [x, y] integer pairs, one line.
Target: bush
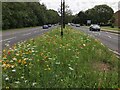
{"points": [[112, 26]]}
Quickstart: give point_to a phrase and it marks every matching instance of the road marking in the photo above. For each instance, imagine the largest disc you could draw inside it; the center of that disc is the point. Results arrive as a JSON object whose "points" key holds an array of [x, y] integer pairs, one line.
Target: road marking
{"points": [[38, 31], [8, 39], [114, 34], [118, 54], [109, 36], [26, 34]]}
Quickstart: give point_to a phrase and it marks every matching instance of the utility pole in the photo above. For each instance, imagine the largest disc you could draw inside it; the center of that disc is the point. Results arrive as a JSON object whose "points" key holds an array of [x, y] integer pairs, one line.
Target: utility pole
{"points": [[61, 18], [63, 13]]}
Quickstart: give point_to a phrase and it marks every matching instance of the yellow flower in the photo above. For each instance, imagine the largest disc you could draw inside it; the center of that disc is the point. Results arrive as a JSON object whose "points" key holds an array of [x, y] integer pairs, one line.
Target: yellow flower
{"points": [[24, 62], [19, 61], [27, 52], [6, 66], [49, 69], [30, 52], [61, 45], [7, 87], [4, 51], [41, 53], [45, 57], [4, 57]]}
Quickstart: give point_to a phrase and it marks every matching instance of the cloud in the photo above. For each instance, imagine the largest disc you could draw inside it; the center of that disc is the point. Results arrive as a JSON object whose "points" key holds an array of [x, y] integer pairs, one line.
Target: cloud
{"points": [[78, 5]]}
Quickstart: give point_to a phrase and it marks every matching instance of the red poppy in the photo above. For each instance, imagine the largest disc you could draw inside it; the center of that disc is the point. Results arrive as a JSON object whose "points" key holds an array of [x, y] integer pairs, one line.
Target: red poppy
{"points": [[9, 53]]}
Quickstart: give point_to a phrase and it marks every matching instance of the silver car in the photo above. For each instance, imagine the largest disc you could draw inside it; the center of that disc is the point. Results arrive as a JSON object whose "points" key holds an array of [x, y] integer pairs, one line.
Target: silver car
{"points": [[94, 27]]}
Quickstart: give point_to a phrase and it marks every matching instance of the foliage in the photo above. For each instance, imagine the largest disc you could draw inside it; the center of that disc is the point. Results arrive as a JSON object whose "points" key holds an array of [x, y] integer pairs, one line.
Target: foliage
{"points": [[26, 14], [75, 61], [80, 18], [53, 16], [100, 14], [68, 14]]}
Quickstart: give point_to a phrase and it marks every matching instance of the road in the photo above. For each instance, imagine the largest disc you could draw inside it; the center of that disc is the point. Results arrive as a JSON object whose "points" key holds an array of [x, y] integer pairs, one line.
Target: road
{"points": [[108, 39], [14, 36]]}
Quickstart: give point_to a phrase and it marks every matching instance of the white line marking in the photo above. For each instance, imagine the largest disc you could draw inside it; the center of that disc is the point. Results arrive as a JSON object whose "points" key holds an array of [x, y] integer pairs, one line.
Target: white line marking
{"points": [[114, 34], [115, 52], [26, 34], [7, 39], [109, 36], [38, 31]]}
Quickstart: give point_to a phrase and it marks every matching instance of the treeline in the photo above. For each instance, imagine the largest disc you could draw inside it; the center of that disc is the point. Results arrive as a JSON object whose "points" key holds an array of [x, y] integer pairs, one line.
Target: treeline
{"points": [[100, 14], [26, 14]]}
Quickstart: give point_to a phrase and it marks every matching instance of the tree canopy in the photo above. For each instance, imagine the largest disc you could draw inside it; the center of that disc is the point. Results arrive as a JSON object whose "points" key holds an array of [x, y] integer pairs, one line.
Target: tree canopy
{"points": [[100, 14], [68, 14], [26, 14]]}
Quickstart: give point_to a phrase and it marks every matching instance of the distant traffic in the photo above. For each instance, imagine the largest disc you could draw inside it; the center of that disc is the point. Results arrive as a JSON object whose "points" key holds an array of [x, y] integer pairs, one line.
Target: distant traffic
{"points": [[92, 27]]}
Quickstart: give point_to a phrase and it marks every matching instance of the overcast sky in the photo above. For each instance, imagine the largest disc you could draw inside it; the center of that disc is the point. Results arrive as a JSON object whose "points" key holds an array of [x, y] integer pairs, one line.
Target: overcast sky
{"points": [[78, 5]]}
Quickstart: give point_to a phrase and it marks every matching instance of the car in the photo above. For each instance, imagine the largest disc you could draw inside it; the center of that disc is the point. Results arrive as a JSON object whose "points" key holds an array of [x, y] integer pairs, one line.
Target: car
{"points": [[72, 24], [77, 25], [94, 27], [49, 25], [69, 24], [45, 26]]}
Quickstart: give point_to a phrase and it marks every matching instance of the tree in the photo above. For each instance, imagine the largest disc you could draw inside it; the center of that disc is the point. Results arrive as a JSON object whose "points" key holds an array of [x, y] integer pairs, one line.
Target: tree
{"points": [[53, 16], [26, 14], [100, 14], [75, 19], [82, 17], [68, 14]]}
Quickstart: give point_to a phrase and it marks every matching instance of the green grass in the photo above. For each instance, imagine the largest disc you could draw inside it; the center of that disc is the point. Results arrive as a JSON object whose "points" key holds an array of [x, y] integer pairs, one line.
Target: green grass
{"points": [[75, 61], [109, 28]]}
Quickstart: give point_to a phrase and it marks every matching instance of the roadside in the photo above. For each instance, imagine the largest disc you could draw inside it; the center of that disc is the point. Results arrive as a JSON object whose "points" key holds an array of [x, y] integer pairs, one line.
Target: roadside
{"points": [[112, 31], [108, 29]]}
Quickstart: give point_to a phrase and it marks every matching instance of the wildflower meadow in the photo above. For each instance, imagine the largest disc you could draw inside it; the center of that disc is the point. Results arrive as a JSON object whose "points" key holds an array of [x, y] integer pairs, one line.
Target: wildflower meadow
{"points": [[49, 61]]}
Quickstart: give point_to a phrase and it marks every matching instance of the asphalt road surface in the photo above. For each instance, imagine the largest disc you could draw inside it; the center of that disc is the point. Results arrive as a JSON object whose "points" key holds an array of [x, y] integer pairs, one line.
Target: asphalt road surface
{"points": [[108, 39], [14, 36]]}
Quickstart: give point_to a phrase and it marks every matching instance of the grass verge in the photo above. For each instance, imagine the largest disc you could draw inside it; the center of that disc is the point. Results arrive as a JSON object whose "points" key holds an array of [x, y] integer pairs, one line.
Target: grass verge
{"points": [[75, 61], [109, 28]]}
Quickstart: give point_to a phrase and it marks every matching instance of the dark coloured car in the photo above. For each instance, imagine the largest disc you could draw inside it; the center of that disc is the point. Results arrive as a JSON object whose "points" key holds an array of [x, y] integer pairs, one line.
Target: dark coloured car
{"points": [[94, 27], [45, 26]]}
